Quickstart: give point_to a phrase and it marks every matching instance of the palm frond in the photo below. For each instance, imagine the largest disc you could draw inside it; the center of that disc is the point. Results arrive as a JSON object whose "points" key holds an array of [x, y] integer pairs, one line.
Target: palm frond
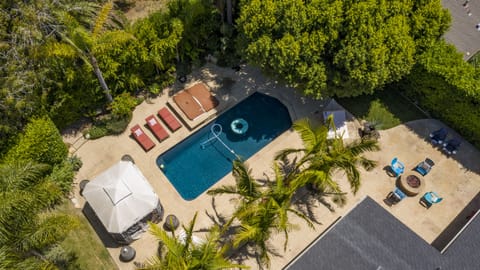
{"points": [[102, 18], [282, 154], [21, 175], [222, 190], [50, 229], [360, 147], [306, 132], [55, 49]]}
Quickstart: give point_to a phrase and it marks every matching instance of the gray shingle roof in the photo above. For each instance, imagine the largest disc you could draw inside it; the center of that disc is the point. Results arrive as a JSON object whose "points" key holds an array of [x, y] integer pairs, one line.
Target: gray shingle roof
{"points": [[369, 237]]}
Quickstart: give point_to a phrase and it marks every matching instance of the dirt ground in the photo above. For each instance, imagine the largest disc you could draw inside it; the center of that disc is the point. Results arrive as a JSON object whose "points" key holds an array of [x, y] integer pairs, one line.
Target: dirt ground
{"points": [[141, 8]]}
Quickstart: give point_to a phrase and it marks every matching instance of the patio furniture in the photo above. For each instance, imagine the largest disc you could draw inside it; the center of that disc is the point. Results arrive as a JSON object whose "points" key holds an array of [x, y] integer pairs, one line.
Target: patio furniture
{"points": [[438, 136], [127, 253], [451, 146], [171, 223], [397, 167], [424, 167], [411, 185], [169, 120], [430, 198], [369, 131], [156, 128], [142, 138], [396, 196]]}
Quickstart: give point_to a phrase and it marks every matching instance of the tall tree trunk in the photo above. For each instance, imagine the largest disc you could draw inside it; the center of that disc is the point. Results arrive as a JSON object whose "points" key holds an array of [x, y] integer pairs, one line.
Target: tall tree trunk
{"points": [[221, 8], [229, 12], [100, 78]]}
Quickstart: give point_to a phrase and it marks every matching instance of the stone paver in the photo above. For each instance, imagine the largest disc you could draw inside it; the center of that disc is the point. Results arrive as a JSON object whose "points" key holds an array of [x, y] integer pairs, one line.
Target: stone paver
{"points": [[456, 179]]}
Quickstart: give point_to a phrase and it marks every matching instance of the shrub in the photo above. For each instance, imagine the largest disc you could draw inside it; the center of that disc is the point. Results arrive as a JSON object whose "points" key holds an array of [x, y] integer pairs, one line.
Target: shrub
{"points": [[97, 132], [40, 142], [76, 162], [123, 105], [445, 101], [117, 126], [62, 175], [108, 126], [379, 115]]}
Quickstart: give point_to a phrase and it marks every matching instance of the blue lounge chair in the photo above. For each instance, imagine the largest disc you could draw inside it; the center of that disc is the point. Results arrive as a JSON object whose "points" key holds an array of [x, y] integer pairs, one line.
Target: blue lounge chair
{"points": [[395, 196], [429, 199], [451, 146], [424, 167], [438, 136], [397, 167]]}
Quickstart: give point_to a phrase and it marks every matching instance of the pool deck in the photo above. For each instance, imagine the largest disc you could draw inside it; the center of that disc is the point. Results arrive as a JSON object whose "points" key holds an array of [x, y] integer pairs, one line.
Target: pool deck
{"points": [[457, 179]]}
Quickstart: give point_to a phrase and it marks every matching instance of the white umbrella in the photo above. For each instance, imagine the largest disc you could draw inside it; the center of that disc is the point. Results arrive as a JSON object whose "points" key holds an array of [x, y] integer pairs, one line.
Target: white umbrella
{"points": [[120, 196]]}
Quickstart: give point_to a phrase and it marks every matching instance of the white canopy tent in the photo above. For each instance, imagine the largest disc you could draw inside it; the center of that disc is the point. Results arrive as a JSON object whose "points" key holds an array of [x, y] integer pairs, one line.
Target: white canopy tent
{"points": [[339, 119], [121, 197]]}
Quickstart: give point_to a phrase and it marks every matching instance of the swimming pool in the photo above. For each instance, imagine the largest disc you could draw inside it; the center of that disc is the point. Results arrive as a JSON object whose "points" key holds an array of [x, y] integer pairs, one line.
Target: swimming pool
{"points": [[199, 161]]}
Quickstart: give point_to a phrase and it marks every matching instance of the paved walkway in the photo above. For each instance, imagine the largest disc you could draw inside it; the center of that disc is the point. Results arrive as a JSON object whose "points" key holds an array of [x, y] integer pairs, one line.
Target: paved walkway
{"points": [[456, 179], [463, 33]]}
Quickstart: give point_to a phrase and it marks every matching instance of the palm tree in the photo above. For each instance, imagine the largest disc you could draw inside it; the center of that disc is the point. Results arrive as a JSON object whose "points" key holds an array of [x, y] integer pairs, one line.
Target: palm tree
{"points": [[320, 157], [27, 227], [24, 28], [183, 253], [261, 211], [80, 42]]}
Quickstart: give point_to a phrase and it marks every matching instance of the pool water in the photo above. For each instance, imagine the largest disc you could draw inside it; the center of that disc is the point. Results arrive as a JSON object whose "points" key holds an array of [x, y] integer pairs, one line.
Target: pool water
{"points": [[199, 161]]}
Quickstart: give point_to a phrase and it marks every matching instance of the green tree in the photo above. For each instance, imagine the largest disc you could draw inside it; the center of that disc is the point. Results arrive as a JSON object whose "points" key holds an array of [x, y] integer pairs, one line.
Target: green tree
{"points": [[123, 105], [41, 142], [160, 35], [28, 227], [185, 253], [24, 28], [201, 21], [79, 41], [343, 48], [320, 158], [260, 211]]}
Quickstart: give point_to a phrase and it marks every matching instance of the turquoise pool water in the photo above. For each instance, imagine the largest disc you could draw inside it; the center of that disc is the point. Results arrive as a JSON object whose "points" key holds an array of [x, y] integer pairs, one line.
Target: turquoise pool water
{"points": [[199, 161]]}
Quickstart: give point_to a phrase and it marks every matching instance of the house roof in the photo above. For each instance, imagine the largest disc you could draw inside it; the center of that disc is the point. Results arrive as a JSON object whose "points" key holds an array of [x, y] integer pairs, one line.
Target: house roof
{"points": [[369, 237]]}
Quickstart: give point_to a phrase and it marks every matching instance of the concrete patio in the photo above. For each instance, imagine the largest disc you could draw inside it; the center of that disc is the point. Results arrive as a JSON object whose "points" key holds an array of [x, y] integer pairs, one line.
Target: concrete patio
{"points": [[456, 179]]}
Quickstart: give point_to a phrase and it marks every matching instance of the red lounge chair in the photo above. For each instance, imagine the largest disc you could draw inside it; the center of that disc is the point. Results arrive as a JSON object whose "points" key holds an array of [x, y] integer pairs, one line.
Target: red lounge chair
{"points": [[156, 128], [142, 138], [168, 118]]}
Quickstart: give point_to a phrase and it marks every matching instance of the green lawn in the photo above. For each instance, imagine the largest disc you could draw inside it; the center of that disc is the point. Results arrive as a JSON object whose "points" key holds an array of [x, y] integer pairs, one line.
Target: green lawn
{"points": [[84, 243], [386, 107]]}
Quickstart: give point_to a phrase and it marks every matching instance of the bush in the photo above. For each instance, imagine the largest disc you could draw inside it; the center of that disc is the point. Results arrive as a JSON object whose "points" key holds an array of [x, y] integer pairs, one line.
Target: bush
{"points": [[41, 142], [62, 175], [76, 163], [123, 105], [380, 116], [445, 101], [97, 132], [108, 126], [117, 126]]}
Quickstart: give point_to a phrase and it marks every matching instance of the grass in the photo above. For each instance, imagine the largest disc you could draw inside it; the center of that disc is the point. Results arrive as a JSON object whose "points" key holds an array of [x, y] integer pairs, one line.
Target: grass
{"points": [[85, 244], [387, 108]]}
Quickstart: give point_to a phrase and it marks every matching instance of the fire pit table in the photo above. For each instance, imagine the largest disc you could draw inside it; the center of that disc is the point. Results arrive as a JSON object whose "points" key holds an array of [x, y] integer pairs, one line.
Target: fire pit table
{"points": [[411, 185]]}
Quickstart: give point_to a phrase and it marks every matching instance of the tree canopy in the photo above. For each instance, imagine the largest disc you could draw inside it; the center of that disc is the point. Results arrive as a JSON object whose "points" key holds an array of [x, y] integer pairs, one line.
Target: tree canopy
{"points": [[343, 48]]}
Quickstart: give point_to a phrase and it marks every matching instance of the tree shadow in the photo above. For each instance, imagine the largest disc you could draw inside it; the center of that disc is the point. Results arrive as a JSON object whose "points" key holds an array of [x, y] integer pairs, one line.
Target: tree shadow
{"points": [[306, 199], [467, 154], [388, 170], [243, 252]]}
